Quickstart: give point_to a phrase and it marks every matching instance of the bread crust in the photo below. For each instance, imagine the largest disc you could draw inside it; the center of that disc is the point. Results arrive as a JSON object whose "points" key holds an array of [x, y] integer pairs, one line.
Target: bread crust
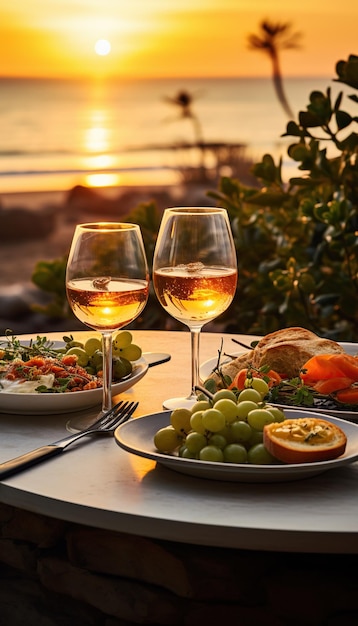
{"points": [[287, 357], [284, 351], [304, 440]]}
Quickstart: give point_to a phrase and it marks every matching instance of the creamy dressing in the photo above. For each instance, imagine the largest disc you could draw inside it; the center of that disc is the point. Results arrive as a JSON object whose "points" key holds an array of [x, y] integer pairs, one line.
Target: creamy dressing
{"points": [[26, 386]]}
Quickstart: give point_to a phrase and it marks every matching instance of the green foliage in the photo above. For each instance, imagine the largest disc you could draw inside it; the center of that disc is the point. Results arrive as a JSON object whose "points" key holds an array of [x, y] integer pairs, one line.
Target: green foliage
{"points": [[296, 243], [50, 276], [147, 216]]}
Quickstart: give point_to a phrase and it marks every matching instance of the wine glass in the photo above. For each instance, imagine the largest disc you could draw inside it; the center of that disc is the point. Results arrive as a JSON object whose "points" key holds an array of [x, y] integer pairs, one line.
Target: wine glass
{"points": [[107, 284], [194, 274]]}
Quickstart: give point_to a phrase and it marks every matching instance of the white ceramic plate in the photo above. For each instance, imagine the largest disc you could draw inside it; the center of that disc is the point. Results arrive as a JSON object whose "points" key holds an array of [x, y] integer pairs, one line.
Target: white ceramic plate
{"points": [[52, 403], [136, 437], [207, 367]]}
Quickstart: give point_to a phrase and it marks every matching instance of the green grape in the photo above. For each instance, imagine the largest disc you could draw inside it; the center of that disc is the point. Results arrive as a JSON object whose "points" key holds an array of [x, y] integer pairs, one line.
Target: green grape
{"points": [[122, 339], [82, 356], [195, 441], [228, 408], [256, 437], [166, 439], [240, 431], [279, 415], [211, 453], [180, 420], [224, 393], [250, 394], [226, 432], [201, 405], [258, 418], [184, 453], [235, 453], [260, 385], [258, 455], [123, 346], [131, 352], [96, 360], [218, 440], [213, 420], [121, 368], [196, 422], [244, 407], [92, 344]]}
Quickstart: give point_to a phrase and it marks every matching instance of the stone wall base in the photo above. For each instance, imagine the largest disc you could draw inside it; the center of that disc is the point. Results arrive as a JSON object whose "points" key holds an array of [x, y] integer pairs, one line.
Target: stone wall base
{"points": [[54, 573]]}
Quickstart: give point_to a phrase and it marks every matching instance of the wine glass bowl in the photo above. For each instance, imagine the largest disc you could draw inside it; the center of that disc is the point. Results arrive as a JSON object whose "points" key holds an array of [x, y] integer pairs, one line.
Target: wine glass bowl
{"points": [[193, 293], [107, 283], [194, 273]]}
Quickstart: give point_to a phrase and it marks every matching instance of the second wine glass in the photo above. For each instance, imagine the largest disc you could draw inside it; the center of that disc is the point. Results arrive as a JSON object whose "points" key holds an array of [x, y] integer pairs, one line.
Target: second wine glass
{"points": [[194, 274], [107, 283]]}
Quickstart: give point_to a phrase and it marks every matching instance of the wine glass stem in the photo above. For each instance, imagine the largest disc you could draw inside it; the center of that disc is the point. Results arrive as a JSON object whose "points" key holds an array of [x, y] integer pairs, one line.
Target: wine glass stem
{"points": [[195, 341], [107, 371]]}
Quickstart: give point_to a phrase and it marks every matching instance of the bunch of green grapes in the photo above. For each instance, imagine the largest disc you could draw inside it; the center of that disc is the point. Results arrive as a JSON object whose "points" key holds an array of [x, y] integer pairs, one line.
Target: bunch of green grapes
{"points": [[225, 428], [90, 356], [124, 347]]}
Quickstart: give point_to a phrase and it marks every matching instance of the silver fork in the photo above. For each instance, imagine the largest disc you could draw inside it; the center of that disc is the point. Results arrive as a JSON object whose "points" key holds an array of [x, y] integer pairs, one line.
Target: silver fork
{"points": [[107, 423]]}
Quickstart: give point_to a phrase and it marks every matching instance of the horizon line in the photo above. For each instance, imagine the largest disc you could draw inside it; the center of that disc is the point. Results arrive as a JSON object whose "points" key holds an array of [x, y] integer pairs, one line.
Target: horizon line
{"points": [[151, 78]]}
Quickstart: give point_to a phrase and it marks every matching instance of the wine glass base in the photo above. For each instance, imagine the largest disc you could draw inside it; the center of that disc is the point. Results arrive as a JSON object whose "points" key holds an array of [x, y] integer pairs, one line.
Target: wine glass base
{"points": [[179, 403], [78, 422]]}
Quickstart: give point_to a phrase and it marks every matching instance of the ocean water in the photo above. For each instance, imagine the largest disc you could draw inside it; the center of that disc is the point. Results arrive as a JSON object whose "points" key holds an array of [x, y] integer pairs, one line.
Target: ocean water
{"points": [[55, 134]]}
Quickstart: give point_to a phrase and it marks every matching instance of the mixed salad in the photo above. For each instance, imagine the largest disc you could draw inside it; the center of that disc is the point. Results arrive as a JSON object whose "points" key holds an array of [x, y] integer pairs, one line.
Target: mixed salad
{"points": [[40, 366], [326, 381]]}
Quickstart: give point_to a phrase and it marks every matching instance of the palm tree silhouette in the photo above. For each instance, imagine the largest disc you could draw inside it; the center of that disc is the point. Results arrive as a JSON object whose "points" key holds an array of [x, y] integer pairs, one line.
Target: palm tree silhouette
{"points": [[183, 100], [273, 38]]}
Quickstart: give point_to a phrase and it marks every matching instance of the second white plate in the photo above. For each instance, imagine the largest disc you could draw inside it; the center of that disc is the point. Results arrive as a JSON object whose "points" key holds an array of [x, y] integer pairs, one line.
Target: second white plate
{"points": [[207, 368], [136, 437]]}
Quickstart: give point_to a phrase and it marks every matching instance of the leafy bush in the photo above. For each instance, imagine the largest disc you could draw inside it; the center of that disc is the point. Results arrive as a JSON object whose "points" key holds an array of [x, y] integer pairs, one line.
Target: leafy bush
{"points": [[297, 244]]}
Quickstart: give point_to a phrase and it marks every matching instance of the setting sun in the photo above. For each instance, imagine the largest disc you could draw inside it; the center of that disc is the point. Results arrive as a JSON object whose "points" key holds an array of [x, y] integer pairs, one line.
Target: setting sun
{"points": [[102, 47], [156, 39]]}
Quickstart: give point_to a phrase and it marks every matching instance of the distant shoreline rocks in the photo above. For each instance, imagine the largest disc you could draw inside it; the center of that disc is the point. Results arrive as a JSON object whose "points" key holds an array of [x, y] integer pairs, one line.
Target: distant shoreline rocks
{"points": [[20, 223], [26, 222]]}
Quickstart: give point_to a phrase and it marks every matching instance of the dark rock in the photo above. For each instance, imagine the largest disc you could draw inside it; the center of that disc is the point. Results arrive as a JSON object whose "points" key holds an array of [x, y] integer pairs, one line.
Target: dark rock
{"points": [[17, 314], [19, 223], [84, 201]]}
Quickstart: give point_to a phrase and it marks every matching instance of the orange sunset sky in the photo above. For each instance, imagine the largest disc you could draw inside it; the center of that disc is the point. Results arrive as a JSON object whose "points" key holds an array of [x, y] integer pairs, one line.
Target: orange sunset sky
{"points": [[161, 38]]}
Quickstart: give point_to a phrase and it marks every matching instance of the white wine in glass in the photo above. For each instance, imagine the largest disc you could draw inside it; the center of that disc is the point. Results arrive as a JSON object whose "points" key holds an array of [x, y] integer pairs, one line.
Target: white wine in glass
{"points": [[194, 274], [107, 283]]}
